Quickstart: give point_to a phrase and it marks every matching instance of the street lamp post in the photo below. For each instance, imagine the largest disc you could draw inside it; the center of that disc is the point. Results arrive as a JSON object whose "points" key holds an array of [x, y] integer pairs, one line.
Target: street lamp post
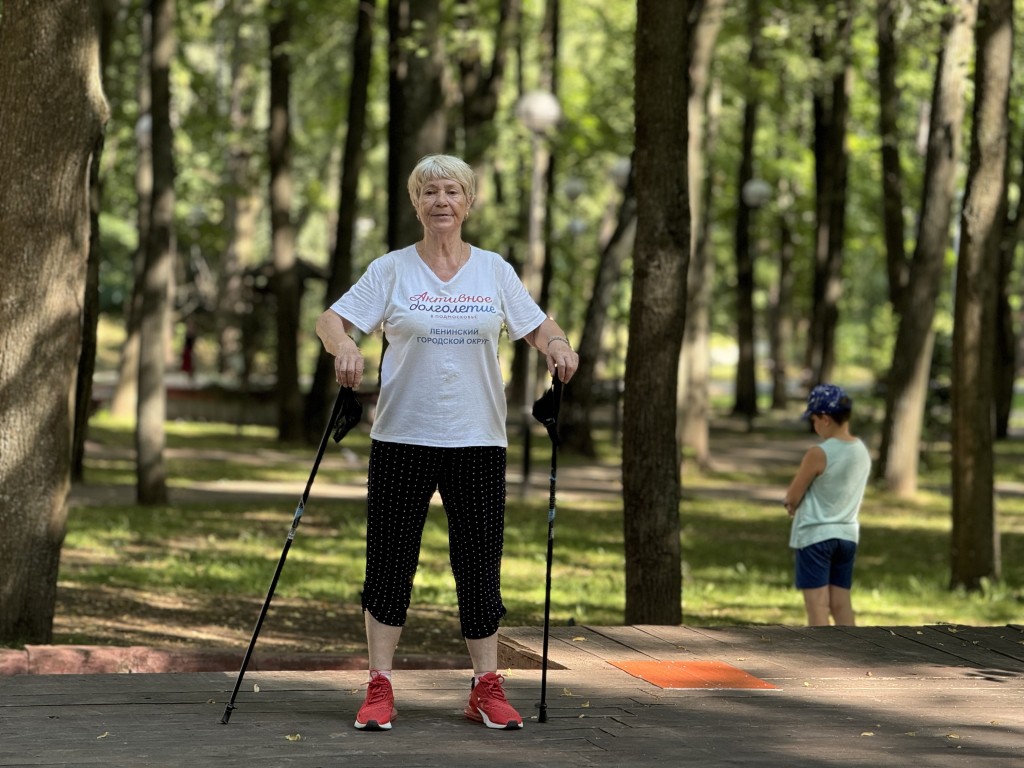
{"points": [[539, 111]]}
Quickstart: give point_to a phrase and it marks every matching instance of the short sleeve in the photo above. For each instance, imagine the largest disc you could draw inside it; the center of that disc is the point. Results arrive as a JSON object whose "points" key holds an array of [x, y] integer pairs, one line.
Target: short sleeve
{"points": [[364, 304], [522, 314]]}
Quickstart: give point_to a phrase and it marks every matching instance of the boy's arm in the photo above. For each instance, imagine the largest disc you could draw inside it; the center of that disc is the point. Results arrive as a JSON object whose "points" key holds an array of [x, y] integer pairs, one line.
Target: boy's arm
{"points": [[812, 465]]}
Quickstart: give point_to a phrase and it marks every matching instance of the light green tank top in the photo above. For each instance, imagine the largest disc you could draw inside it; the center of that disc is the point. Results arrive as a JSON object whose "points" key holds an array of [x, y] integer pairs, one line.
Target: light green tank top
{"points": [[830, 506]]}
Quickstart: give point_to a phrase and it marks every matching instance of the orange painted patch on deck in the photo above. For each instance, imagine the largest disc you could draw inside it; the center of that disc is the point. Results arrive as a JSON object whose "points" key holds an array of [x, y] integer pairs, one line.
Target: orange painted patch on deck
{"points": [[691, 674]]}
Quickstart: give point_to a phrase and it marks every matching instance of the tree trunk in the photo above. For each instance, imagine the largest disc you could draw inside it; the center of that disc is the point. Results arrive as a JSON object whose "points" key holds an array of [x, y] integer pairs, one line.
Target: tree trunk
{"points": [[1007, 358], [907, 382], [417, 124], [91, 303], [975, 541], [242, 206], [831, 158], [481, 86], [150, 438], [650, 451], [340, 276], [892, 172], [745, 403], [781, 321], [124, 402], [693, 408], [52, 113], [285, 274], [575, 426]]}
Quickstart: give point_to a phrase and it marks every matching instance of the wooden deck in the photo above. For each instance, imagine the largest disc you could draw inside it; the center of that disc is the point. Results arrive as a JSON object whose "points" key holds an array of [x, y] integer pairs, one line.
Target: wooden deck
{"points": [[761, 696]]}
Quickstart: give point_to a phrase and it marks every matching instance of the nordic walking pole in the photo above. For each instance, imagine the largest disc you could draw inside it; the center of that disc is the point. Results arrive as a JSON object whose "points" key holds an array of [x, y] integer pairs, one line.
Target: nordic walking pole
{"points": [[545, 410], [346, 414]]}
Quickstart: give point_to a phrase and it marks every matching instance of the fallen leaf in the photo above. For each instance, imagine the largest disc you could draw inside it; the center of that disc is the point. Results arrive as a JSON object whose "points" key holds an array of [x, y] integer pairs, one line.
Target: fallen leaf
{"points": [[952, 735], [566, 692], [579, 639], [868, 733], [103, 735], [294, 737], [806, 684], [910, 733], [255, 687], [869, 674], [586, 703]]}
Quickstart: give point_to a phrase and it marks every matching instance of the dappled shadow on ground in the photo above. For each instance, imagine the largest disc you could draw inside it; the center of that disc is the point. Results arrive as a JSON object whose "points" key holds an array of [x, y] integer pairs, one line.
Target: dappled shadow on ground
{"points": [[122, 616]]}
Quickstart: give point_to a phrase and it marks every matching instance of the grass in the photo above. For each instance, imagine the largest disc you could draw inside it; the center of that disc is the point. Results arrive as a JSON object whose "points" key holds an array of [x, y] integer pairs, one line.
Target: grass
{"points": [[737, 568]]}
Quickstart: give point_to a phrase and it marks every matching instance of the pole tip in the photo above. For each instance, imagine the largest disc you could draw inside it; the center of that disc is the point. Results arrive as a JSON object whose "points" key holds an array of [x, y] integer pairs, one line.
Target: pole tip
{"points": [[227, 715]]}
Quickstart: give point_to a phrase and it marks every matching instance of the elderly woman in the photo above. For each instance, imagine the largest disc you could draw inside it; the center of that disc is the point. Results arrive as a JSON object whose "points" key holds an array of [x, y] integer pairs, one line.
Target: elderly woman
{"points": [[439, 425]]}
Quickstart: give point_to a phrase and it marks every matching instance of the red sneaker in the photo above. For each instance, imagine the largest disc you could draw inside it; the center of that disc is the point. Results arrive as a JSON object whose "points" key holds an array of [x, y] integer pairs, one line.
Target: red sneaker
{"points": [[378, 710], [488, 705]]}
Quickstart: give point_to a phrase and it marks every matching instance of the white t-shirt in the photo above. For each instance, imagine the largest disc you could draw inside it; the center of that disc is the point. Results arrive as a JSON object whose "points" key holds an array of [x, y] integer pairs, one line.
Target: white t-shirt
{"points": [[441, 380]]}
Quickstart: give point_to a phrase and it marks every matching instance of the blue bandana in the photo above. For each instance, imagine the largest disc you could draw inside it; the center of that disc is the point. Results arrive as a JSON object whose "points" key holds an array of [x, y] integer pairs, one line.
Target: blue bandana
{"points": [[827, 399]]}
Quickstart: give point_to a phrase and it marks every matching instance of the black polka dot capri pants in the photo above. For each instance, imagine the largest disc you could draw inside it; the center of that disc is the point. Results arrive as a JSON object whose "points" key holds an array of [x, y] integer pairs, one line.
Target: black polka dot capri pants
{"points": [[471, 482]]}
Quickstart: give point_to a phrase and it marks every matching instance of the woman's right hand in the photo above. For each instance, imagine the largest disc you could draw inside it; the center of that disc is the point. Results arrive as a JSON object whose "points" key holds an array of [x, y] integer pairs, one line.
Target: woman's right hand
{"points": [[348, 360], [348, 364]]}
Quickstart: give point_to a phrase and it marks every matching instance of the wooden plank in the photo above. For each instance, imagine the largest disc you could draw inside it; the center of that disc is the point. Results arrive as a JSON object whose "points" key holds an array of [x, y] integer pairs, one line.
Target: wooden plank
{"points": [[1007, 643], [942, 645], [645, 643]]}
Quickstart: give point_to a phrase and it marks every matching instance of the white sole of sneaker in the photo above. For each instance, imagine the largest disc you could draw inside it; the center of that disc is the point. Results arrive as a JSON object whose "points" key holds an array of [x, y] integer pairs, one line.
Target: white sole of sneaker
{"points": [[480, 717]]}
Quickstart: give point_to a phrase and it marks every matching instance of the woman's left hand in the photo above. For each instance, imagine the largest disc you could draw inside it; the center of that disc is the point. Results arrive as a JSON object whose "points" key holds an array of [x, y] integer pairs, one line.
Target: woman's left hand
{"points": [[562, 360]]}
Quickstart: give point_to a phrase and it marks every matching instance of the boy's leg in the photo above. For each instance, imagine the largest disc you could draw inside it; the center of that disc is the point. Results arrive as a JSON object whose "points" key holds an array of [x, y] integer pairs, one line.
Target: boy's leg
{"points": [[840, 581], [841, 606], [816, 601]]}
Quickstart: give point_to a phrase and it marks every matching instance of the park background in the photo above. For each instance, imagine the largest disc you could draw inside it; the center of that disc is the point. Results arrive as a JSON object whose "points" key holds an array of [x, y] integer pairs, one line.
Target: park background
{"points": [[822, 191]]}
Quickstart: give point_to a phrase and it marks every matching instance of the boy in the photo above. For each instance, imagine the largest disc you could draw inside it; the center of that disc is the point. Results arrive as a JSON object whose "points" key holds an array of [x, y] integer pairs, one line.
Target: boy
{"points": [[823, 500]]}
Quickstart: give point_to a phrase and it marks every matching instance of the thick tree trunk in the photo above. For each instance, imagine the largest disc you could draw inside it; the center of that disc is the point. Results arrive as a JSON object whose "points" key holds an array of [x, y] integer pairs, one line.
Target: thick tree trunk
{"points": [[52, 113], [907, 382], [150, 437], [975, 541], [650, 451], [286, 275]]}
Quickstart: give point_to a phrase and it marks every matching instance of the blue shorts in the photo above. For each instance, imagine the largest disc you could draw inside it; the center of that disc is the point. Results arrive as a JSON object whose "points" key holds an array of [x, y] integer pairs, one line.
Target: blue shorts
{"points": [[826, 563]]}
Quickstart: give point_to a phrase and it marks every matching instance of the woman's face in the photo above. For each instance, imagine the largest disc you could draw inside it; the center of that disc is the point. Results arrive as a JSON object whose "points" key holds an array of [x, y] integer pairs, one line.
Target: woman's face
{"points": [[442, 205]]}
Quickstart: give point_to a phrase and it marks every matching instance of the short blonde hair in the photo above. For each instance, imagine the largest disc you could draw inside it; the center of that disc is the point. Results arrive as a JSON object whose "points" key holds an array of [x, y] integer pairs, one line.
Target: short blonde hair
{"points": [[434, 167]]}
